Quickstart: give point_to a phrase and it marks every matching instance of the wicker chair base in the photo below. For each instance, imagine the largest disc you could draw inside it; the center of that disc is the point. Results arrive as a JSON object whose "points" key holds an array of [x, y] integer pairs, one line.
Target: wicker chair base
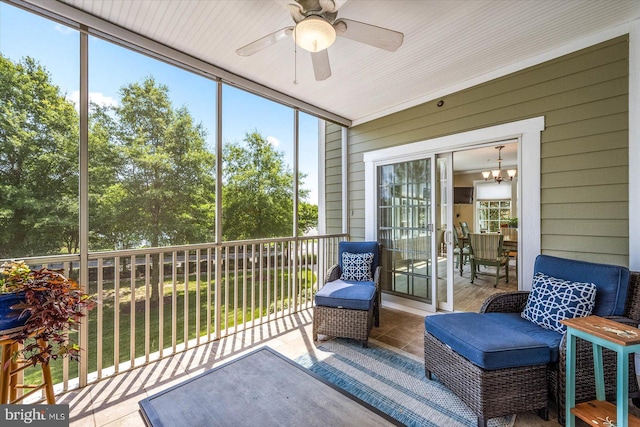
{"points": [[489, 394], [342, 322]]}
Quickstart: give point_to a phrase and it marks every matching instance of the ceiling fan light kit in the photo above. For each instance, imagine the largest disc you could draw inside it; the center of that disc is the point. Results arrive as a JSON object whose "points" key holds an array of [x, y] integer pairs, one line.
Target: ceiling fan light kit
{"points": [[314, 34], [317, 28]]}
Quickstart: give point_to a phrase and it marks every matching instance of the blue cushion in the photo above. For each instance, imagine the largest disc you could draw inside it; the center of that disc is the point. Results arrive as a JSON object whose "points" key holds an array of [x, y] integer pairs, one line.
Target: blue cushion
{"points": [[515, 321], [10, 318], [360, 248], [611, 281], [486, 342], [347, 294], [357, 266], [553, 300]]}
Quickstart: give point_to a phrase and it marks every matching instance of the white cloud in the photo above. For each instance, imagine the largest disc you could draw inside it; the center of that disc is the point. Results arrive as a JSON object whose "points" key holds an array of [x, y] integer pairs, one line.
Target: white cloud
{"points": [[101, 99], [95, 97], [273, 141], [75, 98], [64, 30]]}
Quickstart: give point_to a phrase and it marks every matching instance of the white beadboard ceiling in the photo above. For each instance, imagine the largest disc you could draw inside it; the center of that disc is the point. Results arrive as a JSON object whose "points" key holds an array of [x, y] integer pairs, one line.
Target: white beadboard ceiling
{"points": [[448, 45]]}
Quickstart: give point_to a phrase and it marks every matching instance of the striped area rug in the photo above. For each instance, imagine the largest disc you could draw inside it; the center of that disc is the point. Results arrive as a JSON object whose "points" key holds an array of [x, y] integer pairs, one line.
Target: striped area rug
{"points": [[394, 382]]}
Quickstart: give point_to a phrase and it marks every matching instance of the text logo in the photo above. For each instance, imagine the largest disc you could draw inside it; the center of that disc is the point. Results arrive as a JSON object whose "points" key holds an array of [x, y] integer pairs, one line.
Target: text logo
{"points": [[34, 415]]}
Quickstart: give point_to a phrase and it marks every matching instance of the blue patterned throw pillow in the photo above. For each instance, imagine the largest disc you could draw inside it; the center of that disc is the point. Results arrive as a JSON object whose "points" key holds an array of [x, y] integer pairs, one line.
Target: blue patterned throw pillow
{"points": [[552, 300], [356, 266]]}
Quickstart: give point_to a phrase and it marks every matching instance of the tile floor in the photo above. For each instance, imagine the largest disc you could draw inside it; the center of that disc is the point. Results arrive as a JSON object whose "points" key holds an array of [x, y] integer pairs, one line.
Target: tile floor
{"points": [[114, 401]]}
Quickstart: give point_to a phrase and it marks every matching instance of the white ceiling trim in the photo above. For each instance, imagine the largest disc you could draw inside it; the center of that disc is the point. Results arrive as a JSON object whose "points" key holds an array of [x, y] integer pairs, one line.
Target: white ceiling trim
{"points": [[504, 71]]}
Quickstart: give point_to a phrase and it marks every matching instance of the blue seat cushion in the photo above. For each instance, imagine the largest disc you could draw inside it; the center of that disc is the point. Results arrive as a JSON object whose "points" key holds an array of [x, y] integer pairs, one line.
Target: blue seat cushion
{"points": [[486, 342], [347, 294], [612, 281], [515, 321]]}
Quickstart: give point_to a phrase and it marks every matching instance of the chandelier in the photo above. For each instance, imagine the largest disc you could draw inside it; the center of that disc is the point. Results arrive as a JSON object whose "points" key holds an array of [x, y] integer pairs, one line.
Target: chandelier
{"points": [[497, 173]]}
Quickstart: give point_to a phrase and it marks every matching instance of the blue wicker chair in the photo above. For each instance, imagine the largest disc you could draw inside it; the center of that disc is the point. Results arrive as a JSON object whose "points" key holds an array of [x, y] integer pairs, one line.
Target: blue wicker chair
{"points": [[348, 304]]}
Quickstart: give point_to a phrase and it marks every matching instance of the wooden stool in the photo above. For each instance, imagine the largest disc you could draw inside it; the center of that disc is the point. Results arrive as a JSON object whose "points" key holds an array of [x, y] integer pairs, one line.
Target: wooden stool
{"points": [[9, 375]]}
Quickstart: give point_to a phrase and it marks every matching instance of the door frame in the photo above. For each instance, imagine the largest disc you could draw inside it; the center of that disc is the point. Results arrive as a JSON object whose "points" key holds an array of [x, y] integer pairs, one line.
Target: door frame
{"points": [[447, 305], [528, 134]]}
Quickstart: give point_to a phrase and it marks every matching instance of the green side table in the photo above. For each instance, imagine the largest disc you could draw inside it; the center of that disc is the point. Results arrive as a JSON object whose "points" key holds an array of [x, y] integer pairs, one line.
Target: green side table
{"points": [[602, 333]]}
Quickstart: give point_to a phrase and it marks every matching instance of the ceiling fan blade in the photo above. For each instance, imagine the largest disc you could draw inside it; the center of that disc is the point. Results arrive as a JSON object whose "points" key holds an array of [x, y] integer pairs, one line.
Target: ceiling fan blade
{"points": [[297, 12], [328, 6], [369, 34], [264, 42], [301, 9], [321, 66]]}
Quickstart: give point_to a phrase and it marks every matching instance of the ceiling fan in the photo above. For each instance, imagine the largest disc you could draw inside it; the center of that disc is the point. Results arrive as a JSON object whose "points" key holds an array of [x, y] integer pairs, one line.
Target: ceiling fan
{"points": [[316, 29]]}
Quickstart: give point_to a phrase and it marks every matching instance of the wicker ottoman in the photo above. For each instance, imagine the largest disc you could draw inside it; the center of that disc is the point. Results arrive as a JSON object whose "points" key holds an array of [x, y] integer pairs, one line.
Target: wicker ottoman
{"points": [[344, 310], [489, 393]]}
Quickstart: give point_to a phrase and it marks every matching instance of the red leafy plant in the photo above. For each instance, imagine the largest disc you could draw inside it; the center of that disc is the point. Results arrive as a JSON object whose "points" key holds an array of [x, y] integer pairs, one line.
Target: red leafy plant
{"points": [[53, 305]]}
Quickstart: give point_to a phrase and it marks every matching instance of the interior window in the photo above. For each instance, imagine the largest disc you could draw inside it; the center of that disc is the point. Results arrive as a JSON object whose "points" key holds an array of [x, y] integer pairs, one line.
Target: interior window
{"points": [[492, 214]]}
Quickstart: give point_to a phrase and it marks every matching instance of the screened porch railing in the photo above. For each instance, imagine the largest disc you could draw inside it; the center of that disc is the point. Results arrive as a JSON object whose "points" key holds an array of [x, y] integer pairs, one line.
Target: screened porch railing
{"points": [[156, 302]]}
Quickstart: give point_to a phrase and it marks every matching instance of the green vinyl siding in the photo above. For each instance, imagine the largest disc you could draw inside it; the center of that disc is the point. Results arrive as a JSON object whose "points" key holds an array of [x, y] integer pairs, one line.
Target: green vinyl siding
{"points": [[584, 153], [333, 178]]}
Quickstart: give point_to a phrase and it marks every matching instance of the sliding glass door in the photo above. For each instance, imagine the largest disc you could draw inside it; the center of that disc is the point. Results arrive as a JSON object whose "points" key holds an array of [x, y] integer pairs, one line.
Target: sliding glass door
{"points": [[406, 229]]}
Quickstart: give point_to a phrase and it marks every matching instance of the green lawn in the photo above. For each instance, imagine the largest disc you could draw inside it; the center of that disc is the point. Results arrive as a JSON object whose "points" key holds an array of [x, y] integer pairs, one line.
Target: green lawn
{"points": [[229, 316]]}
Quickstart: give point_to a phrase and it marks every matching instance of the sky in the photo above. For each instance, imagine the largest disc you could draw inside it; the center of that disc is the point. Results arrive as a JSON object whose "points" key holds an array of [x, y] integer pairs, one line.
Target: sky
{"points": [[56, 47]]}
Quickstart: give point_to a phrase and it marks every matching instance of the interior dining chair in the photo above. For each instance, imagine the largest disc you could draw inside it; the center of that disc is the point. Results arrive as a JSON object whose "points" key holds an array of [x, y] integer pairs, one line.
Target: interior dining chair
{"points": [[460, 251], [486, 249], [465, 229], [510, 244]]}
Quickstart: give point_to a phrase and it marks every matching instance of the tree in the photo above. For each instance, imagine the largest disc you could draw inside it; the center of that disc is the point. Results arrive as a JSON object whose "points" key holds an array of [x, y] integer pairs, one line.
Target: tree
{"points": [[258, 192], [159, 189], [106, 159], [167, 174], [38, 163], [307, 217]]}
